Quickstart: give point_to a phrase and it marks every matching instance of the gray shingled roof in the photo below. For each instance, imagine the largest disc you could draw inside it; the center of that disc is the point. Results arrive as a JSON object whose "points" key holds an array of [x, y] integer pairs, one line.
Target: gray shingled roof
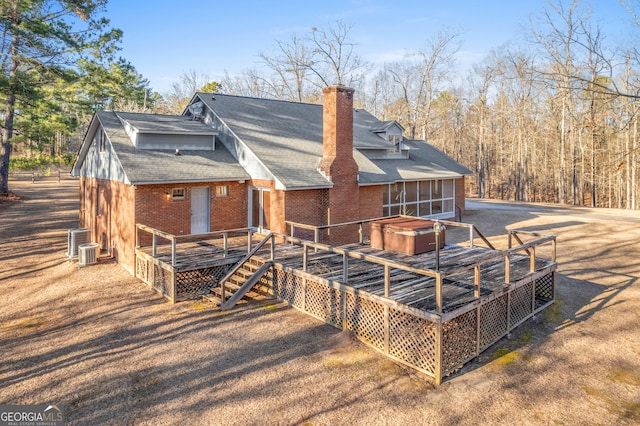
{"points": [[287, 138], [160, 166], [166, 124]]}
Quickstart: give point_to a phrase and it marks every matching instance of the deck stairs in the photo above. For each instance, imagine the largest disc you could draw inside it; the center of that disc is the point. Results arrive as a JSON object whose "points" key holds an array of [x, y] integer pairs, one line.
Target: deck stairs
{"points": [[239, 280]]}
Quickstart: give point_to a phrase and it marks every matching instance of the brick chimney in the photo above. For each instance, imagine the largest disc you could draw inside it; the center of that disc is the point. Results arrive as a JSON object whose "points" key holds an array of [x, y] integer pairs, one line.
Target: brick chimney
{"points": [[337, 162]]}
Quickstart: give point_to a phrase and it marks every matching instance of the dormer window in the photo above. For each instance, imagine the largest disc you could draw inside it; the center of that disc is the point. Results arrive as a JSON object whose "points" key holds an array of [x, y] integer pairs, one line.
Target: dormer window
{"points": [[395, 140]]}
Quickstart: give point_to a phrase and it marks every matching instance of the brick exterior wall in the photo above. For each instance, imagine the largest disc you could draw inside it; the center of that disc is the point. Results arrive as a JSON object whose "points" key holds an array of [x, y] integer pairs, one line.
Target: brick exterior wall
{"points": [[114, 228], [123, 206]]}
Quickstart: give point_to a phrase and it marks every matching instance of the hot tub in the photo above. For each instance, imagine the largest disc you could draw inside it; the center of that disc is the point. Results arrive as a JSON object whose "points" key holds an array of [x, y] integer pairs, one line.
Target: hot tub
{"points": [[405, 235]]}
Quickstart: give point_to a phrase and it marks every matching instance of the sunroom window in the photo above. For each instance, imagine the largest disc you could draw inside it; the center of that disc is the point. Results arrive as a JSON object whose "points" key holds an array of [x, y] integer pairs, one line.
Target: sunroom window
{"points": [[428, 198]]}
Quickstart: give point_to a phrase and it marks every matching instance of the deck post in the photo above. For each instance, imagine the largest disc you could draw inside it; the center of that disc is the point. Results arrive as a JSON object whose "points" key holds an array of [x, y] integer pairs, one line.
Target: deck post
{"points": [[361, 232], [137, 237], [478, 325], [387, 290], [438, 350], [345, 268], [173, 254], [476, 281], [249, 236], [225, 243], [507, 268], [532, 259], [471, 236], [316, 235], [385, 319], [174, 285], [439, 292], [273, 247], [153, 248], [305, 256]]}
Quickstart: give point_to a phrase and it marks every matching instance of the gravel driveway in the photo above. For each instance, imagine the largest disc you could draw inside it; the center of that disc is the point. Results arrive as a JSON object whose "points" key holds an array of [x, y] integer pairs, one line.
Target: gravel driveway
{"points": [[107, 350]]}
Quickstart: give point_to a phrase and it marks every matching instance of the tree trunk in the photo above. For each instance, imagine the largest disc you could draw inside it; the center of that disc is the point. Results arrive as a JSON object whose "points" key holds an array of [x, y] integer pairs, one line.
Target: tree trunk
{"points": [[7, 130]]}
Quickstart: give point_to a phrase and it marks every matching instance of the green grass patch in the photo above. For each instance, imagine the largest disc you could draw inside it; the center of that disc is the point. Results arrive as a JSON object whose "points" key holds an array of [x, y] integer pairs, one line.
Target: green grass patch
{"points": [[553, 314]]}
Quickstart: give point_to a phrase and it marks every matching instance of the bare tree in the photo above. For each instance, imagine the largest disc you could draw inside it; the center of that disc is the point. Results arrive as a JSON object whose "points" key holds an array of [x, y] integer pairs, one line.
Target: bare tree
{"points": [[289, 67], [333, 57], [182, 91]]}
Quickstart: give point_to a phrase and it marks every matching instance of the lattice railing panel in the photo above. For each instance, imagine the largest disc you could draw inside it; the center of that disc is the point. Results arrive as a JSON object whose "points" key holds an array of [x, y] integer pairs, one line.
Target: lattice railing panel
{"points": [[163, 281], [521, 299], [412, 340], [544, 290], [493, 321], [191, 284], [283, 286], [323, 302], [366, 319], [142, 270], [459, 337]]}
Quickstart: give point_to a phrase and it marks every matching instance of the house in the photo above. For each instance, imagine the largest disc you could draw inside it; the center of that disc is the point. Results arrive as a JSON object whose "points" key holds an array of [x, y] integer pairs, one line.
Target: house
{"points": [[234, 162]]}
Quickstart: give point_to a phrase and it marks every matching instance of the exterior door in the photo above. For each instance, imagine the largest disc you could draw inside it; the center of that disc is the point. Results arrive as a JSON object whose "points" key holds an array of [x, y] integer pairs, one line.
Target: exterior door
{"points": [[200, 210], [260, 208]]}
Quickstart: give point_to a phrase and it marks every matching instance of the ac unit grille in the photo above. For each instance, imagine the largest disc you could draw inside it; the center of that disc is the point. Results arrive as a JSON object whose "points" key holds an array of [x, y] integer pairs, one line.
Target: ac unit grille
{"points": [[76, 237], [87, 254]]}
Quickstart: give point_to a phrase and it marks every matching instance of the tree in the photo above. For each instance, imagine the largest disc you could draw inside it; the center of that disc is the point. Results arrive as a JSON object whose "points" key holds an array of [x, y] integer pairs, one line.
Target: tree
{"points": [[290, 69], [42, 41], [182, 91]]}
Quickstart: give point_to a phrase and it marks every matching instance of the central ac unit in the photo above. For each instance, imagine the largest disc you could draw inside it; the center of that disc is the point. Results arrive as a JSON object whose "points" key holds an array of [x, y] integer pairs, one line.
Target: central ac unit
{"points": [[75, 238], [87, 254]]}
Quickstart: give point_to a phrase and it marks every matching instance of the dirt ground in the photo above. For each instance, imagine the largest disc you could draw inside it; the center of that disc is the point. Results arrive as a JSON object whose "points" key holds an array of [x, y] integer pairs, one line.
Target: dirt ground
{"points": [[108, 350]]}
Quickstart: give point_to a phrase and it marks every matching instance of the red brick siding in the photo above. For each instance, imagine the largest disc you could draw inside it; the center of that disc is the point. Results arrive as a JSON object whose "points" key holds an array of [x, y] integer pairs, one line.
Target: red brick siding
{"points": [[229, 212], [174, 215], [371, 202], [114, 228]]}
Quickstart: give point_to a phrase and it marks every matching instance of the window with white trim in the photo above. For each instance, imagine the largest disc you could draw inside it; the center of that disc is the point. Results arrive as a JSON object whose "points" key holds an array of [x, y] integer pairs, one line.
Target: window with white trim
{"points": [[426, 198], [222, 190], [178, 193]]}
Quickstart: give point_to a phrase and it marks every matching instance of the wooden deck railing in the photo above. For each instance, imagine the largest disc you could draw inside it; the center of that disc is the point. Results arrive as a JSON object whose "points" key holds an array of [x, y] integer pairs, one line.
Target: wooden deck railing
{"points": [[174, 240], [361, 224], [529, 248]]}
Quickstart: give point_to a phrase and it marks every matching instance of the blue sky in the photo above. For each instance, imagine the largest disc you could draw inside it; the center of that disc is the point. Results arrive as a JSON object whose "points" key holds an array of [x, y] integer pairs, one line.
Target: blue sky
{"points": [[164, 39]]}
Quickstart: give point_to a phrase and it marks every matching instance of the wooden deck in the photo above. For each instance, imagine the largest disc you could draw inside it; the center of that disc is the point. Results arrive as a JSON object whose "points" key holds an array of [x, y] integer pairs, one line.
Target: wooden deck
{"points": [[364, 274], [431, 312], [410, 288]]}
